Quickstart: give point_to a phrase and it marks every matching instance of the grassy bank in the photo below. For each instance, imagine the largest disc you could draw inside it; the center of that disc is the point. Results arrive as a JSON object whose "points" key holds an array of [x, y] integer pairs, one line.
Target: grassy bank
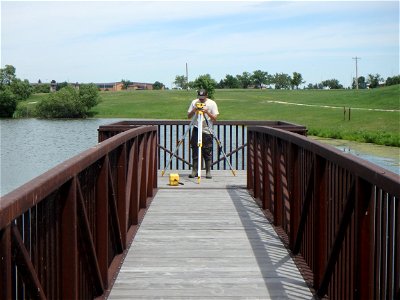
{"points": [[322, 111]]}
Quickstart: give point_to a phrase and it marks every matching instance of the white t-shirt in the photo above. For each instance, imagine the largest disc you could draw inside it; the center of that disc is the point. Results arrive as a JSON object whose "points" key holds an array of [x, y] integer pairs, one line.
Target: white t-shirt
{"points": [[211, 107]]}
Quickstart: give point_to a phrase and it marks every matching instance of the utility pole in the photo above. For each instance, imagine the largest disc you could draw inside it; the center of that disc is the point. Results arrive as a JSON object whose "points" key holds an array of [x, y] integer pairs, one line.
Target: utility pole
{"points": [[356, 59], [187, 78]]}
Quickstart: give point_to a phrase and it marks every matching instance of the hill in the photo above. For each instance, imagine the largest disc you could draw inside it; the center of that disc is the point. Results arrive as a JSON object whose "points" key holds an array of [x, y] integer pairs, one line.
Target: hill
{"points": [[374, 114]]}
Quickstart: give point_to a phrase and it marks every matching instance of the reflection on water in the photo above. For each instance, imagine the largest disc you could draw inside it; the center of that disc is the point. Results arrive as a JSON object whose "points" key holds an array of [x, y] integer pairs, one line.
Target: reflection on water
{"points": [[30, 147]]}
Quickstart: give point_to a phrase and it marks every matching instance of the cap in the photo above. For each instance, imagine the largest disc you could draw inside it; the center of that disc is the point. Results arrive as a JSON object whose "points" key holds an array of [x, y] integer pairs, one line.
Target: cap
{"points": [[202, 93]]}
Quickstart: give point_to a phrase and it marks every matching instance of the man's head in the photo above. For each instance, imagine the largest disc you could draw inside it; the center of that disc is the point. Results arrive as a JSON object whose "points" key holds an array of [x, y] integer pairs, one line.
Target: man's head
{"points": [[202, 94]]}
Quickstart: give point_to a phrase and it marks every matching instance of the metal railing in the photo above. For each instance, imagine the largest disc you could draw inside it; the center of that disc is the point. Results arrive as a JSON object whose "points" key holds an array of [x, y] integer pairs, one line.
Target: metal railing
{"points": [[231, 134], [338, 214], [63, 234]]}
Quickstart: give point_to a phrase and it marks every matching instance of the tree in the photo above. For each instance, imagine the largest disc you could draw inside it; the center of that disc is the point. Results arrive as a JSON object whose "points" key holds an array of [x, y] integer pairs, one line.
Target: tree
{"points": [[231, 82], [245, 79], [7, 75], [158, 85], [297, 79], [374, 80], [125, 84], [282, 81], [61, 85], [12, 90], [332, 84], [181, 81], [362, 84], [393, 80], [259, 78], [21, 89], [207, 83]]}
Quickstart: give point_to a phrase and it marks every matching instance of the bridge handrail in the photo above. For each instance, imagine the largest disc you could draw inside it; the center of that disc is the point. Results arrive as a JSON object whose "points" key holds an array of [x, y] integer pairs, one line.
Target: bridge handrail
{"points": [[62, 234], [231, 133], [337, 213]]}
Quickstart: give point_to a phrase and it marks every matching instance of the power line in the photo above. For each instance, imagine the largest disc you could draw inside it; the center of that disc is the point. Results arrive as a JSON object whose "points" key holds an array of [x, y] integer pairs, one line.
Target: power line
{"points": [[356, 59]]}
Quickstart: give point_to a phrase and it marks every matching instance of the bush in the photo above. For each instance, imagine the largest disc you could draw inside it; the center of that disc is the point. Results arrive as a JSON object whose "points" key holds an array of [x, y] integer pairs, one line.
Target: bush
{"points": [[25, 110], [21, 89], [69, 103], [89, 95], [8, 103], [42, 88]]}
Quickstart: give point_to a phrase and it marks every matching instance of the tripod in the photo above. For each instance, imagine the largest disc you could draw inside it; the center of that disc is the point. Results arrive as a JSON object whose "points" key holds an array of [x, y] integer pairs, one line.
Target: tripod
{"points": [[200, 118], [220, 146]]}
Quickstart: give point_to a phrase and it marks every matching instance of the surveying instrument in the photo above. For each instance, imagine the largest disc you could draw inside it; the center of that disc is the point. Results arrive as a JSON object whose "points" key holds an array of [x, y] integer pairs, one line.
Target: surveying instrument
{"points": [[199, 115]]}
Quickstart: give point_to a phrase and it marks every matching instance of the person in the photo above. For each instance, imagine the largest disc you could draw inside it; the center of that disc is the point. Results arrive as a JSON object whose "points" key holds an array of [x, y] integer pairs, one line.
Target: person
{"points": [[210, 112]]}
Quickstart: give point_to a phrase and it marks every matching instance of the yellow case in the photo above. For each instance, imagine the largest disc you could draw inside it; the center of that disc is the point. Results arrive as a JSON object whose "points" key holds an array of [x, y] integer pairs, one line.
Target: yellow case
{"points": [[174, 179]]}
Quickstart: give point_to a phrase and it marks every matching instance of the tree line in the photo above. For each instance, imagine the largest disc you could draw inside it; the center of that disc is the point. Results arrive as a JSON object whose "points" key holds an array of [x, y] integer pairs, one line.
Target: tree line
{"points": [[75, 102], [261, 79]]}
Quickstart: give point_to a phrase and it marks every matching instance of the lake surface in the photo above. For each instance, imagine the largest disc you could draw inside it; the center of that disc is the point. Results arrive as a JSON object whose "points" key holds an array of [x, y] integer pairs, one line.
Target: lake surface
{"points": [[30, 147]]}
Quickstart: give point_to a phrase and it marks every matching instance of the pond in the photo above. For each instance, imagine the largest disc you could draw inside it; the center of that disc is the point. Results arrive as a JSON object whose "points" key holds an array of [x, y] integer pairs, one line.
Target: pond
{"points": [[30, 147]]}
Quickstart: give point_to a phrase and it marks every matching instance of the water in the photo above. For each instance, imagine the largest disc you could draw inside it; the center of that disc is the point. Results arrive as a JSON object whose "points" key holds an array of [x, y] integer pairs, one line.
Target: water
{"points": [[30, 147], [383, 156]]}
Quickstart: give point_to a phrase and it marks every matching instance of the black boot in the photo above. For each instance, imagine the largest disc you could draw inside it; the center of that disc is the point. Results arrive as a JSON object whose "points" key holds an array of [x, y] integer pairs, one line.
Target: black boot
{"points": [[208, 169], [194, 170]]}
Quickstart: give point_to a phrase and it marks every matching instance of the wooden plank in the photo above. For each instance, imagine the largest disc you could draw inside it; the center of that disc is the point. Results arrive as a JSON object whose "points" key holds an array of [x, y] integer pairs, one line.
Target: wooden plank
{"points": [[198, 242]]}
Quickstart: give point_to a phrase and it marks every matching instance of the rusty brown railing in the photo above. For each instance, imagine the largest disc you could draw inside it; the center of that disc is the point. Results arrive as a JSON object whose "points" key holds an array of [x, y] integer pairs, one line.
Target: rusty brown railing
{"points": [[231, 134], [338, 214], [63, 234]]}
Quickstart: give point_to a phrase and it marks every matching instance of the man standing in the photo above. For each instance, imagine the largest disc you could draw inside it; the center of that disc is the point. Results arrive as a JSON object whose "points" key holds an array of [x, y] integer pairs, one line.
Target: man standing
{"points": [[210, 113]]}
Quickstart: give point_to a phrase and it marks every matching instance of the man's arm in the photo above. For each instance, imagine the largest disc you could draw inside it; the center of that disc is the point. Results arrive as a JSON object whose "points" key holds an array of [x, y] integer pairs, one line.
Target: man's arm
{"points": [[213, 117], [191, 113]]}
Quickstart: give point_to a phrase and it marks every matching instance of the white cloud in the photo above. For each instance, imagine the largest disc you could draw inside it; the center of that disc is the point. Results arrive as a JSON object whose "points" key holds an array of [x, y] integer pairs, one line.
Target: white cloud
{"points": [[149, 41]]}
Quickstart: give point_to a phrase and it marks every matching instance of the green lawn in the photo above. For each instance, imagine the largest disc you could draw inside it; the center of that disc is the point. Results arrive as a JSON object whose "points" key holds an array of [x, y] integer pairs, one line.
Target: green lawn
{"points": [[380, 127]]}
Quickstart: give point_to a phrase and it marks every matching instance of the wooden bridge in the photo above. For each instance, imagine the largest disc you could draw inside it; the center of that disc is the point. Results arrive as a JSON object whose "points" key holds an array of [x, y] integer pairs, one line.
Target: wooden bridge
{"points": [[301, 220], [207, 241]]}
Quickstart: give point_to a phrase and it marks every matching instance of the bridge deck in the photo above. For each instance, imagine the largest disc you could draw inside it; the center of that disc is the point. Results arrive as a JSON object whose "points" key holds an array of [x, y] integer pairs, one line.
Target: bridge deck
{"points": [[207, 241]]}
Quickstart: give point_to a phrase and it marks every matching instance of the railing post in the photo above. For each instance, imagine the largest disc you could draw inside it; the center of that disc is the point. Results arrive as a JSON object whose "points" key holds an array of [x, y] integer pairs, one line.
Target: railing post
{"points": [[294, 178], [102, 221], [153, 164], [278, 206], [364, 218], [143, 173], [132, 185], [123, 211], [320, 216], [250, 161], [257, 165], [69, 242], [5, 263], [265, 178]]}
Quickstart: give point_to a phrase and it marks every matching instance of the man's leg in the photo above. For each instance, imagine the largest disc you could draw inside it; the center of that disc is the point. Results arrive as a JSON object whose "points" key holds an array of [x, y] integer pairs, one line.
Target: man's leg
{"points": [[207, 153]]}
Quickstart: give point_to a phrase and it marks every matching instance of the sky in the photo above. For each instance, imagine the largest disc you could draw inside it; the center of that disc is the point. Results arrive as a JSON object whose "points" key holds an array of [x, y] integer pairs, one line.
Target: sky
{"points": [[107, 41]]}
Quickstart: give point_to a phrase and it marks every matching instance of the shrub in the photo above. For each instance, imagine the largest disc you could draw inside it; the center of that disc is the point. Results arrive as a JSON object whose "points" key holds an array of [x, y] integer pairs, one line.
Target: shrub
{"points": [[8, 103], [69, 103]]}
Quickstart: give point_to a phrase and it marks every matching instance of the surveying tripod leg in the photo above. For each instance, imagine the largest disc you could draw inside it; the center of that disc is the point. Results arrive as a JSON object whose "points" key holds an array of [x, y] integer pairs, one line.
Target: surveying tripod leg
{"points": [[199, 143], [219, 144], [177, 146]]}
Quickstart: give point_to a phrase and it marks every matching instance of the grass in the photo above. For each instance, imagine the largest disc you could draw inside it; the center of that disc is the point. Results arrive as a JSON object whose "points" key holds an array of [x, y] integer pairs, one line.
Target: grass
{"points": [[365, 125]]}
